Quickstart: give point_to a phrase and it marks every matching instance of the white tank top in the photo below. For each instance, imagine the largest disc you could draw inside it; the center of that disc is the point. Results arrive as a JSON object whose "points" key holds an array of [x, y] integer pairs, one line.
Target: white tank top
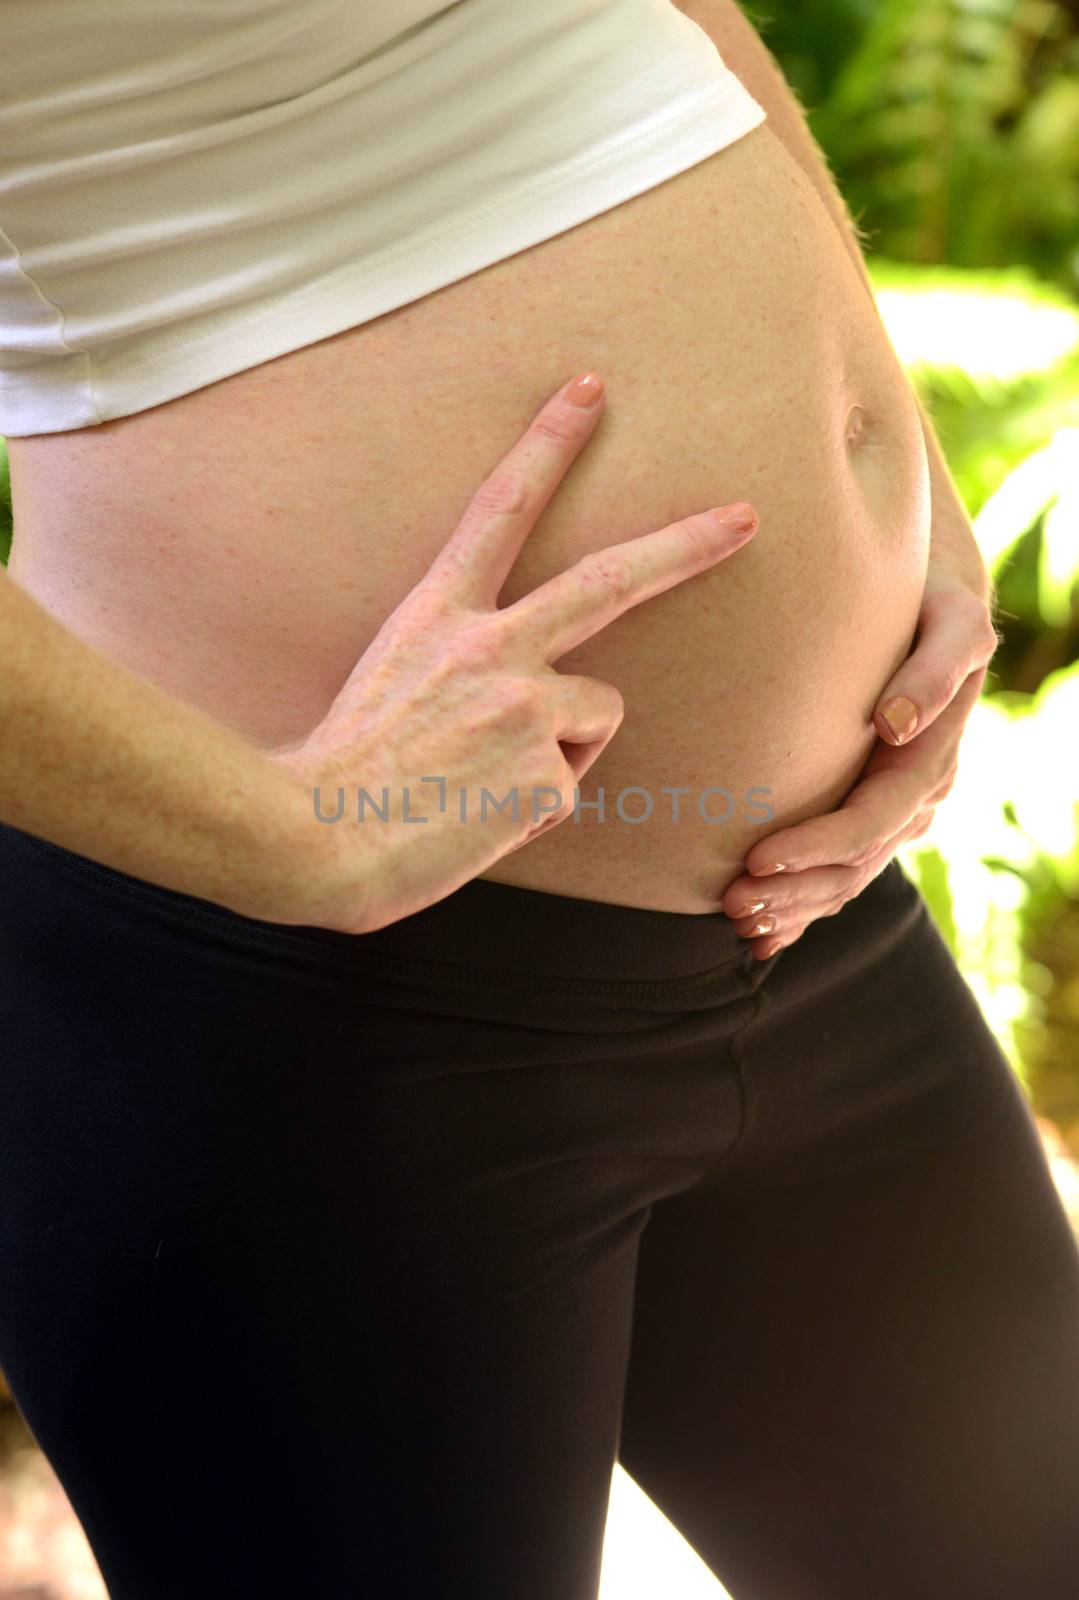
{"points": [[191, 187]]}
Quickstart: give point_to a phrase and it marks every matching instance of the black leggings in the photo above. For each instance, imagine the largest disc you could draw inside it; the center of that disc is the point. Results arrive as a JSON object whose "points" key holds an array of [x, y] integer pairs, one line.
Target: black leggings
{"points": [[346, 1267]]}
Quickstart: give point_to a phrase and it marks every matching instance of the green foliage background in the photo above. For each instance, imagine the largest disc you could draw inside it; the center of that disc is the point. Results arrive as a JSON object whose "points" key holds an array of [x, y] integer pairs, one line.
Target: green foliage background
{"points": [[952, 127]]}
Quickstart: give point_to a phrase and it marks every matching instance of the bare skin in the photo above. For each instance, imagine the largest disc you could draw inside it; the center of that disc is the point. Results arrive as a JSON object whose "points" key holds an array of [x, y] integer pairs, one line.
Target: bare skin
{"points": [[235, 545], [140, 780]]}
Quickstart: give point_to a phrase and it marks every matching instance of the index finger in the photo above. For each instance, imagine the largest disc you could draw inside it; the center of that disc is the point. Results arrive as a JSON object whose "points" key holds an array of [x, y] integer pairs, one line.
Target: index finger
{"points": [[480, 552], [877, 807]]}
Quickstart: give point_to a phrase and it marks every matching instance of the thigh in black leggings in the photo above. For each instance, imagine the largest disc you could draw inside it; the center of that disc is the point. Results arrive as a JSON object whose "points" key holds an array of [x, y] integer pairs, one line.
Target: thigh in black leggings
{"points": [[350, 1266]]}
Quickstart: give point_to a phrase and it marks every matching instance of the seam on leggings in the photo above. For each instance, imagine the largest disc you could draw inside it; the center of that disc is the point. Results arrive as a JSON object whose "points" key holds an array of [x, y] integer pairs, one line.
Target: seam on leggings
{"points": [[381, 962], [761, 1000]]}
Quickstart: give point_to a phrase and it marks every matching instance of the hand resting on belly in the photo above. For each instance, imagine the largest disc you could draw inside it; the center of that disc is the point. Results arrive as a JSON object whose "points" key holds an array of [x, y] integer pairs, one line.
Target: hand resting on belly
{"points": [[243, 544]]}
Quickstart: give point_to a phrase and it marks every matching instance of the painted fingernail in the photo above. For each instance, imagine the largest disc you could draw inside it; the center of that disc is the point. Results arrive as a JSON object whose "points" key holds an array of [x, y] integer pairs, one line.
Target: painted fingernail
{"points": [[901, 715], [739, 517], [585, 390], [764, 872], [751, 911], [765, 925]]}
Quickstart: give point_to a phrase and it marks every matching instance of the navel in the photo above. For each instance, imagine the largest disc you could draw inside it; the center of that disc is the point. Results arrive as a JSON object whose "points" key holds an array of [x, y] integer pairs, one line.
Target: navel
{"points": [[855, 426]]}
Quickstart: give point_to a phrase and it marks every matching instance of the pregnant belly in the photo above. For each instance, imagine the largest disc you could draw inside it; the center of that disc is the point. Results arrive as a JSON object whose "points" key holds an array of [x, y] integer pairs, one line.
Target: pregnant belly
{"points": [[241, 545]]}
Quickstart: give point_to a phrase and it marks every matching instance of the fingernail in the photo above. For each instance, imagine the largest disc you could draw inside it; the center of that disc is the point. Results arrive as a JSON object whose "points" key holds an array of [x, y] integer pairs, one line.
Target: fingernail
{"points": [[765, 925], [585, 390], [751, 911], [901, 715], [764, 872], [739, 517]]}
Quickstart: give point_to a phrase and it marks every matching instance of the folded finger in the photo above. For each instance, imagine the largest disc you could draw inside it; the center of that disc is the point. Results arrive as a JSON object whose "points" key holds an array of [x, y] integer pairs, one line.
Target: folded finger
{"points": [[878, 808], [956, 638], [756, 909]]}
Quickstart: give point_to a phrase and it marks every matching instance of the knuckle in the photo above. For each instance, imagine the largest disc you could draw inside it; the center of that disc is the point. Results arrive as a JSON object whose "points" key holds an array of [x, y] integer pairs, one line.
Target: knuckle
{"points": [[611, 715], [696, 541], [503, 717], [522, 701], [609, 572], [501, 493], [549, 777], [543, 781], [951, 680], [988, 638], [431, 601], [978, 605], [615, 703], [958, 603], [477, 648], [562, 424], [604, 696]]}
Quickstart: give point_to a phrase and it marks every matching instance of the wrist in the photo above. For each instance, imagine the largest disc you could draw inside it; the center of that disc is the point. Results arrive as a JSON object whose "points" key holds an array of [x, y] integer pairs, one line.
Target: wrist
{"points": [[284, 865], [323, 867]]}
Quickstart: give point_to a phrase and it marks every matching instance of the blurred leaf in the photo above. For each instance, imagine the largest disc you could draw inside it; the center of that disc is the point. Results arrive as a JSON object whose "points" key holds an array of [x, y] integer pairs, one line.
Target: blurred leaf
{"points": [[951, 127], [1058, 568], [929, 869], [1047, 481], [994, 328], [812, 38], [1042, 776]]}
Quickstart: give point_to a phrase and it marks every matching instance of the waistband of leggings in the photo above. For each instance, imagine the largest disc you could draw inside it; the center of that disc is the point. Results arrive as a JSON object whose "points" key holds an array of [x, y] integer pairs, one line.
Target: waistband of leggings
{"points": [[481, 927], [502, 928]]}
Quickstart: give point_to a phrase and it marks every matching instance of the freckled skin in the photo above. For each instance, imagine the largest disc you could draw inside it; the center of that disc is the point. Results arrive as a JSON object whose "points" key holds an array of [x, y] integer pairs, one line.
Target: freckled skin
{"points": [[241, 545]]}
